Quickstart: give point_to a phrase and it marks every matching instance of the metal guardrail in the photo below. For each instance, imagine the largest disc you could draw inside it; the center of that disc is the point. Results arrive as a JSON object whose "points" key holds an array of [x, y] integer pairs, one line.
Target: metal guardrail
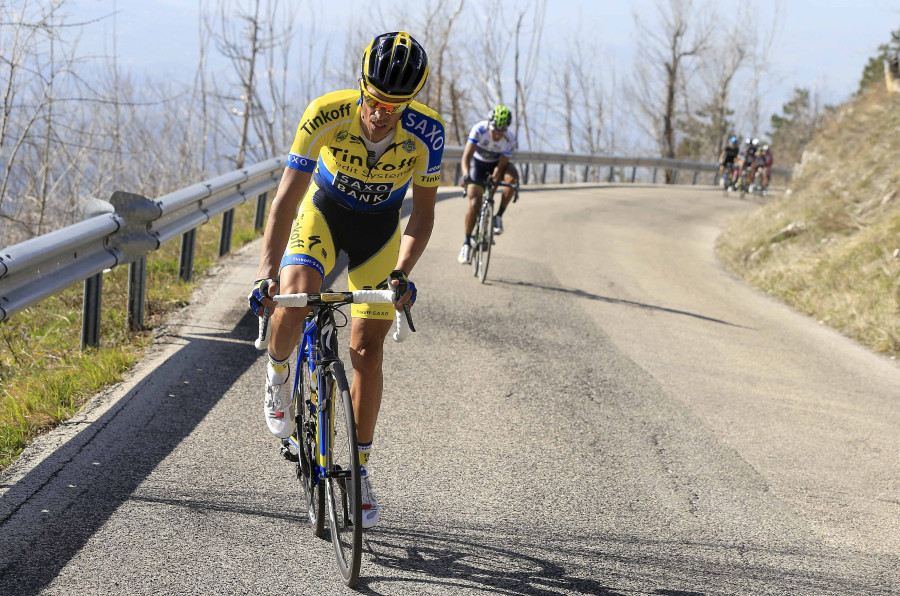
{"points": [[128, 227]]}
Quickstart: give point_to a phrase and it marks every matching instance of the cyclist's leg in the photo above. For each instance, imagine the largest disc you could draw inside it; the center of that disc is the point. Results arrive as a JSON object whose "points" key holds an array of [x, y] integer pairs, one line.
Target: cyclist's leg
{"points": [[308, 258], [478, 172], [371, 323], [366, 355], [373, 246], [302, 268], [473, 194], [510, 176]]}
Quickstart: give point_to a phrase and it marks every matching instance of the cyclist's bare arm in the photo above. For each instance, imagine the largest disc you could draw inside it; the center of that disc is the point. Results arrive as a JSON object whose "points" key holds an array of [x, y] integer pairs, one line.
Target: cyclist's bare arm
{"points": [[468, 152], [500, 169], [290, 192], [418, 231]]}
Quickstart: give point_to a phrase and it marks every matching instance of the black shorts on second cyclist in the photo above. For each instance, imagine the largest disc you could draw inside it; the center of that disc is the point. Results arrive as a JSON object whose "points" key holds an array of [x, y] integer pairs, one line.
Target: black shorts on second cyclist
{"points": [[479, 171]]}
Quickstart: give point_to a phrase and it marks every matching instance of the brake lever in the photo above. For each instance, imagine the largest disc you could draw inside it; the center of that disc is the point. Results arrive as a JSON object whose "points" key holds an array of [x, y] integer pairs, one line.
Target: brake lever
{"points": [[409, 317]]}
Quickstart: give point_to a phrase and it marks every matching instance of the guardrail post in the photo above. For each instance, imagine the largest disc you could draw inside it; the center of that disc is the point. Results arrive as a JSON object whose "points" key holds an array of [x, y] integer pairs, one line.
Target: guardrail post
{"points": [[674, 177], [225, 234], [135, 241], [544, 173], [562, 172], [695, 178], [259, 219], [458, 171], [137, 290], [633, 173], [527, 171], [654, 175], [611, 174], [587, 170], [90, 312], [186, 262]]}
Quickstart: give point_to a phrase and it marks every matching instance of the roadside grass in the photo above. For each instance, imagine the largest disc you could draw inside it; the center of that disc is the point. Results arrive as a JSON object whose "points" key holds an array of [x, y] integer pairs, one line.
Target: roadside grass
{"points": [[831, 248], [45, 378]]}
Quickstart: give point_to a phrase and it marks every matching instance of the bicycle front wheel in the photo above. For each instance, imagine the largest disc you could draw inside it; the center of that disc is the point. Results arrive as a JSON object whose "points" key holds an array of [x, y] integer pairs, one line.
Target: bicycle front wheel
{"points": [[342, 482], [487, 241], [476, 248], [304, 438]]}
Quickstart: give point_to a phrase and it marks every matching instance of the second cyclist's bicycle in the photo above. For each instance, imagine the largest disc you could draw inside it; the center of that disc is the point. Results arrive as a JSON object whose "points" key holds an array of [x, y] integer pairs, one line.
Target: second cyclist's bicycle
{"points": [[324, 444], [483, 235]]}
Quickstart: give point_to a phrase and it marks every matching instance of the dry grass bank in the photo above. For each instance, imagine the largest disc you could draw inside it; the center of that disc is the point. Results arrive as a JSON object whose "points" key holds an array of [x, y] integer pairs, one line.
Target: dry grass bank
{"points": [[831, 248]]}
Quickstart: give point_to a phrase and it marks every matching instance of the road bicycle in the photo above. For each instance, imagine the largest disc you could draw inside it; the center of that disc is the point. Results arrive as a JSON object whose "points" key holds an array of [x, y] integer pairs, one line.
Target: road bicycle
{"points": [[324, 444], [483, 235], [743, 182], [729, 178]]}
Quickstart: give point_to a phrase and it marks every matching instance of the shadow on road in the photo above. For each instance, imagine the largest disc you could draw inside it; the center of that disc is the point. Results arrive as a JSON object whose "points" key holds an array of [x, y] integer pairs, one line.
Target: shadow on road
{"points": [[455, 562], [51, 513], [589, 296], [481, 561]]}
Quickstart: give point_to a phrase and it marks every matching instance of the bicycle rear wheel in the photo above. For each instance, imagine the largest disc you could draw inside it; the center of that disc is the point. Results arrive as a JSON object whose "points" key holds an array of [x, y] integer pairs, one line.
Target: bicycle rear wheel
{"points": [[342, 482], [305, 440], [487, 241]]}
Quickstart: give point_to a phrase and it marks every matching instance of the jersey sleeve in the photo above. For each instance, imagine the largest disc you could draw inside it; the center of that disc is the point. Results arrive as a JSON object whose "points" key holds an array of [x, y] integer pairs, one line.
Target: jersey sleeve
{"points": [[317, 126], [513, 144], [477, 131], [427, 127]]}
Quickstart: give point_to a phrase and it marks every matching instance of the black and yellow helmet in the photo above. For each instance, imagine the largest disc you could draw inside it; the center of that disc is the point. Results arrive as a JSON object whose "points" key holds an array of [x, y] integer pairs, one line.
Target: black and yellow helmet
{"points": [[395, 65]]}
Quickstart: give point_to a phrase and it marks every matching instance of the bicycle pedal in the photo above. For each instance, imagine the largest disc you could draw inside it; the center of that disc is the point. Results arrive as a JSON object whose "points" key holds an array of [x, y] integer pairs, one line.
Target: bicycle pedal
{"points": [[287, 454]]}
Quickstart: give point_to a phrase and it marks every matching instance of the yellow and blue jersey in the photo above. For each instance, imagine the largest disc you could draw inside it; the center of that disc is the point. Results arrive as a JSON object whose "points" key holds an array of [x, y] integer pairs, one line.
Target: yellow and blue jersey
{"points": [[329, 143]]}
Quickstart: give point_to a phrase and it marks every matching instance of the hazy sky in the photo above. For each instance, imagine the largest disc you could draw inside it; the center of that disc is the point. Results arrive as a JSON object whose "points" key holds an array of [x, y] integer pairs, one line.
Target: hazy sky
{"points": [[819, 43]]}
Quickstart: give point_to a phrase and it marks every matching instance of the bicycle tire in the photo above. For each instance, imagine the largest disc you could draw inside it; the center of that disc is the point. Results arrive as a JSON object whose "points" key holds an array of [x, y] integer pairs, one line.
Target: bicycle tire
{"points": [[476, 248], [484, 256], [305, 437], [342, 480]]}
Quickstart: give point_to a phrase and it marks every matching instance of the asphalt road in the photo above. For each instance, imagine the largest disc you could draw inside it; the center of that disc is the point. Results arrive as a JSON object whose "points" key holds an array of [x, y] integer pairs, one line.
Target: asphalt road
{"points": [[611, 413]]}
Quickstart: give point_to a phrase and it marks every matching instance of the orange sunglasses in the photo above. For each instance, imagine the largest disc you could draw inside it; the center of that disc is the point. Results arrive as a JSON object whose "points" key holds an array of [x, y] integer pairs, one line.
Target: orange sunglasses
{"points": [[376, 104]]}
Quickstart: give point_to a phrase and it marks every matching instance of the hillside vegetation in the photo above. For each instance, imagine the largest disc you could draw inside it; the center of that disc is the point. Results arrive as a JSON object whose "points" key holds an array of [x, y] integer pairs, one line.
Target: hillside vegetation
{"points": [[831, 246]]}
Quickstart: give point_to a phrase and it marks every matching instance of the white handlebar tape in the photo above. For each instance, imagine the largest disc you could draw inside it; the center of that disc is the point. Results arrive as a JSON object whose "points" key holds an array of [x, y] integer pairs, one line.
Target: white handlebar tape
{"points": [[291, 299], [401, 326], [371, 296]]}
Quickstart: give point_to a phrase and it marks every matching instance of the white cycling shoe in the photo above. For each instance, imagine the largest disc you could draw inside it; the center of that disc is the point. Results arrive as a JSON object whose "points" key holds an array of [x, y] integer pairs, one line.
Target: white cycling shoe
{"points": [[278, 408], [370, 512], [465, 254], [498, 225]]}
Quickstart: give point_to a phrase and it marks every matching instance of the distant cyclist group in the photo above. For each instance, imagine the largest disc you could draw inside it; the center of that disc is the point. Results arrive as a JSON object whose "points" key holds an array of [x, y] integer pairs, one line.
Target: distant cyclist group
{"points": [[746, 167]]}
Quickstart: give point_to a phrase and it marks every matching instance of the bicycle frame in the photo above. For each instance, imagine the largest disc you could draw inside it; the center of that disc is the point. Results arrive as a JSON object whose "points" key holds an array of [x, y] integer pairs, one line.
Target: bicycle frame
{"points": [[319, 354]]}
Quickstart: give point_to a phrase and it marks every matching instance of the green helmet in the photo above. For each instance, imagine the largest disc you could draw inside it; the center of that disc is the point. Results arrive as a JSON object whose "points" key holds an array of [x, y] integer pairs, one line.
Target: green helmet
{"points": [[500, 117]]}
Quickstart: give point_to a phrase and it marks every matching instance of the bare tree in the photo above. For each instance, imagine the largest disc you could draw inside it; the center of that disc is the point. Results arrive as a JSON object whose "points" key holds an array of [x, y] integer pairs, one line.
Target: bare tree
{"points": [[437, 29], [706, 126], [488, 53], [525, 77], [661, 62], [760, 42], [255, 37], [32, 61]]}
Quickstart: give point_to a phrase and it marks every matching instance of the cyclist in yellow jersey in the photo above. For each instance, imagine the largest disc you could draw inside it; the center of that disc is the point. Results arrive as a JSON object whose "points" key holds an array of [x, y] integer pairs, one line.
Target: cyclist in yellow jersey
{"points": [[355, 155]]}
